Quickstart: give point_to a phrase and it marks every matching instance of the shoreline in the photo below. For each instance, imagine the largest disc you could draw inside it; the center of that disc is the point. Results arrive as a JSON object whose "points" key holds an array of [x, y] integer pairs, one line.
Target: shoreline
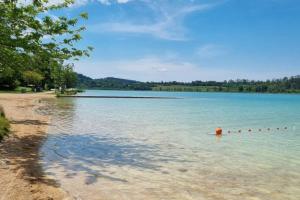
{"points": [[21, 172]]}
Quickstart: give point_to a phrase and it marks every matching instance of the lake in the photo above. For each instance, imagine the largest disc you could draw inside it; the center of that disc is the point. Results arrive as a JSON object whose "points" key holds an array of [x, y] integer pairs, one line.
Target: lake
{"points": [[119, 149]]}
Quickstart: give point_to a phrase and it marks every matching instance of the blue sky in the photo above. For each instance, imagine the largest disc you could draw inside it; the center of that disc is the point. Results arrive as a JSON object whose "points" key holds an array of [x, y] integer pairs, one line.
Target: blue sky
{"points": [[184, 40]]}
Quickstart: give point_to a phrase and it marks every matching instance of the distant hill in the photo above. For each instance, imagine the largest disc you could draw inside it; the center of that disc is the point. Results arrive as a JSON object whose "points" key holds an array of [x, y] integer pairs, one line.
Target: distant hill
{"points": [[110, 83], [84, 81], [284, 85]]}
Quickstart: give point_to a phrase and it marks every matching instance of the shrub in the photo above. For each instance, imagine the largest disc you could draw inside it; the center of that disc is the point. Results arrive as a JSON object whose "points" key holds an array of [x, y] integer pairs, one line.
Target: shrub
{"points": [[4, 127], [70, 92], [80, 90], [2, 114], [23, 90]]}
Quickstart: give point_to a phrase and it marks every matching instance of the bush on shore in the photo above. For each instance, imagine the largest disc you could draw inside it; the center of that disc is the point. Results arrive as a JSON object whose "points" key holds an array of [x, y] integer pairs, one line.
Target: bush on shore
{"points": [[4, 124], [2, 114], [68, 92]]}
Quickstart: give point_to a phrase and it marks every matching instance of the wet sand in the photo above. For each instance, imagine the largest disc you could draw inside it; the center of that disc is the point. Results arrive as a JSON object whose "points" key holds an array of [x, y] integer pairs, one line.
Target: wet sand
{"points": [[21, 172]]}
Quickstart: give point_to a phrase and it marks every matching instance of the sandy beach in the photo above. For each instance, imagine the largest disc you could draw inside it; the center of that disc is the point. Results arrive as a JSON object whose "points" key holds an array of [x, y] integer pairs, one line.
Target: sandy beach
{"points": [[21, 173]]}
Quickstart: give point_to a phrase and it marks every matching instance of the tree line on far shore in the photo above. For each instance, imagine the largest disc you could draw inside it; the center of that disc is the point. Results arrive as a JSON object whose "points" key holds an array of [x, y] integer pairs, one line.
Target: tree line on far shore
{"points": [[36, 48], [283, 85]]}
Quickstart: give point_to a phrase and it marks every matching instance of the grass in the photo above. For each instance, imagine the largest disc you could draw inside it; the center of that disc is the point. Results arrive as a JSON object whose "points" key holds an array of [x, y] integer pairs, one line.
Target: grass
{"points": [[4, 124], [23, 89], [17, 90]]}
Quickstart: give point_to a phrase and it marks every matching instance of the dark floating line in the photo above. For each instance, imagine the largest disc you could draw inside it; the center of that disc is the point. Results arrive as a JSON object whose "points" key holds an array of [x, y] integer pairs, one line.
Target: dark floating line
{"points": [[119, 97]]}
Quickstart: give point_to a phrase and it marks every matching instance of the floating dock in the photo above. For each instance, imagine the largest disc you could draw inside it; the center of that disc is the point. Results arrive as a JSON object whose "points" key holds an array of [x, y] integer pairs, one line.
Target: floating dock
{"points": [[117, 97]]}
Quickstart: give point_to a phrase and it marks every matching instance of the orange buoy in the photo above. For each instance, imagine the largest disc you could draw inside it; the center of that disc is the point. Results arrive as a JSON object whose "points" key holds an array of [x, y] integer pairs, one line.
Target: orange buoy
{"points": [[218, 131]]}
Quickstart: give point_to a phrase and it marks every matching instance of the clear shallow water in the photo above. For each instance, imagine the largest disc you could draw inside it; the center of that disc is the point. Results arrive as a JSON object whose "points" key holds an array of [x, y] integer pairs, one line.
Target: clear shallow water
{"points": [[162, 148]]}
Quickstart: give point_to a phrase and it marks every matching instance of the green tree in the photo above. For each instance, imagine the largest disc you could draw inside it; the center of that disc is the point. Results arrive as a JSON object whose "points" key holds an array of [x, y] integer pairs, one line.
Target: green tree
{"points": [[31, 39], [70, 78], [7, 78], [32, 78]]}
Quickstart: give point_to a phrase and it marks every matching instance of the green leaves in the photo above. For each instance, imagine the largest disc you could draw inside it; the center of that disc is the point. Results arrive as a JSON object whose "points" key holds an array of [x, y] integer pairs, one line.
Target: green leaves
{"points": [[31, 39], [84, 15], [4, 125], [32, 77]]}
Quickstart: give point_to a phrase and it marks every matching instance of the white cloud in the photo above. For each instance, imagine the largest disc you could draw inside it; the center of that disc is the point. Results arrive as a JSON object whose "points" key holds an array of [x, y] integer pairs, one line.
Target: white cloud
{"points": [[78, 2], [211, 51], [168, 22], [145, 69], [123, 1], [159, 30], [108, 2], [150, 68]]}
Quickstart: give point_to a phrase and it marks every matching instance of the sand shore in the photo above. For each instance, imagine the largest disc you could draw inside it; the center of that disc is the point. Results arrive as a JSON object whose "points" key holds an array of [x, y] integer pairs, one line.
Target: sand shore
{"points": [[21, 173]]}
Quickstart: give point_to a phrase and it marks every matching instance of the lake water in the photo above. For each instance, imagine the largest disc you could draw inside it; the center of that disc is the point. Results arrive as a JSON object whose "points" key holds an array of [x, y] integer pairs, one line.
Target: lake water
{"points": [[134, 149]]}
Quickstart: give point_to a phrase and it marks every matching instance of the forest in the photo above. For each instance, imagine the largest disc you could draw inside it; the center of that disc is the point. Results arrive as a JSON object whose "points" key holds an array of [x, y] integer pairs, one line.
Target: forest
{"points": [[283, 85]]}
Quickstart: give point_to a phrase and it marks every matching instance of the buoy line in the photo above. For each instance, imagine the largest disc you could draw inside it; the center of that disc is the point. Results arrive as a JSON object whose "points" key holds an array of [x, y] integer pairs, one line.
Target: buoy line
{"points": [[219, 131]]}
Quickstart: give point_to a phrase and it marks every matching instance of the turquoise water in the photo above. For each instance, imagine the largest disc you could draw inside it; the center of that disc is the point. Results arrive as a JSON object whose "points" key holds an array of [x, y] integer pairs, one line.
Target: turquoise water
{"points": [[164, 148]]}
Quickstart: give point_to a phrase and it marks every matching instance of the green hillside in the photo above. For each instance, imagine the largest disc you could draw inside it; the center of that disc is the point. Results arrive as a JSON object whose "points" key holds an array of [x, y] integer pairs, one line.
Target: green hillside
{"points": [[284, 85]]}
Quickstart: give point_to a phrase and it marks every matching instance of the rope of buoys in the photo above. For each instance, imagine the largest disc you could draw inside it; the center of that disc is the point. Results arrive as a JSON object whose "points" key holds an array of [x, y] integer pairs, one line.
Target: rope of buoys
{"points": [[219, 130]]}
